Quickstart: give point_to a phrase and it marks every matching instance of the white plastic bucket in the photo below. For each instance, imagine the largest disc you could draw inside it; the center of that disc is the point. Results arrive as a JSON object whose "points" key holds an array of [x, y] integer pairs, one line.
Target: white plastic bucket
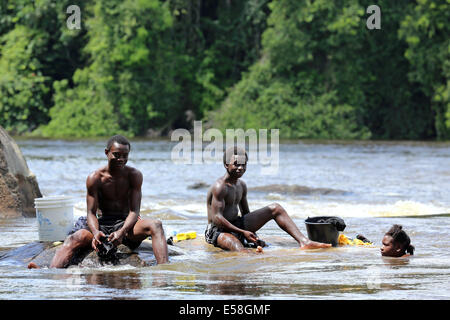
{"points": [[54, 215]]}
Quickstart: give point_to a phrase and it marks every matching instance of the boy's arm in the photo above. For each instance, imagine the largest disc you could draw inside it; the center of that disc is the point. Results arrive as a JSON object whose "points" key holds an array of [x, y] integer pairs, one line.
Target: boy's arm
{"points": [[92, 206], [218, 206], [135, 207], [243, 205]]}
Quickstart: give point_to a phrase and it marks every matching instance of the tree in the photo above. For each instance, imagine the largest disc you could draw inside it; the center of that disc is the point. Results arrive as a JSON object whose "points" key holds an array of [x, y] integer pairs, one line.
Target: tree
{"points": [[427, 33], [129, 83], [35, 50], [295, 85], [319, 55], [24, 90]]}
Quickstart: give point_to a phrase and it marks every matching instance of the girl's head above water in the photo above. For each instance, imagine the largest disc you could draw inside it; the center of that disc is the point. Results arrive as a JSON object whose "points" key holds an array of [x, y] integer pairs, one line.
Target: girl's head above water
{"points": [[396, 243]]}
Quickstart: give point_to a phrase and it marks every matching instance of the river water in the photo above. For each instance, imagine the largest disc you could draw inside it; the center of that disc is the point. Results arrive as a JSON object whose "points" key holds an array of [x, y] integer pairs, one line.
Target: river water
{"points": [[371, 185]]}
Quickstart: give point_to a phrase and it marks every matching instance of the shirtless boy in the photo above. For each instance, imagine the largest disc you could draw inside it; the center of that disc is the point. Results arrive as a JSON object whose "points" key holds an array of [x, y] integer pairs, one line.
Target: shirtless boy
{"points": [[115, 189], [226, 229]]}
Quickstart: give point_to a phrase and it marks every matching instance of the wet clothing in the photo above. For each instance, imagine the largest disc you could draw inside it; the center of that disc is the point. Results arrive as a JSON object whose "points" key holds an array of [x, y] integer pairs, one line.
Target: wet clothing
{"points": [[107, 225], [212, 232]]}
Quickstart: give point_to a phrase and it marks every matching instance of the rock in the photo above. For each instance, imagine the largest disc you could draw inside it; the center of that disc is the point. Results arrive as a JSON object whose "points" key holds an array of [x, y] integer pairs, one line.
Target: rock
{"points": [[89, 258], [124, 256], [189, 117], [41, 253], [152, 133], [300, 190], [18, 185], [146, 246], [44, 258], [24, 254], [198, 185]]}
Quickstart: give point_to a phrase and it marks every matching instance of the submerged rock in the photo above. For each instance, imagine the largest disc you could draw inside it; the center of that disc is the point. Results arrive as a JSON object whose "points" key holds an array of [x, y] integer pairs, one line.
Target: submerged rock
{"points": [[198, 185], [18, 185], [124, 256], [300, 190], [41, 253], [24, 254]]}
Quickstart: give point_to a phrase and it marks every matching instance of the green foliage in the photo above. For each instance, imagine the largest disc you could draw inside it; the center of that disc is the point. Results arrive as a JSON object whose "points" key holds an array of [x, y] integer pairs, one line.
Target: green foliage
{"points": [[34, 51], [217, 40], [130, 79], [394, 107], [260, 101], [330, 71], [309, 68], [81, 112], [300, 84], [426, 29], [23, 88]]}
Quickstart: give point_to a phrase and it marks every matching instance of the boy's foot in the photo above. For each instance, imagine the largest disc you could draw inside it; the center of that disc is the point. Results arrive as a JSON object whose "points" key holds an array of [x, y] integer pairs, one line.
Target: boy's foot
{"points": [[314, 245], [259, 249], [33, 265]]}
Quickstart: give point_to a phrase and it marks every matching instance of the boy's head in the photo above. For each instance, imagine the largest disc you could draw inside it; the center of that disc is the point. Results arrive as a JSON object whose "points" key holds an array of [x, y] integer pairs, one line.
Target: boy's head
{"points": [[235, 161], [117, 150], [396, 242], [119, 140]]}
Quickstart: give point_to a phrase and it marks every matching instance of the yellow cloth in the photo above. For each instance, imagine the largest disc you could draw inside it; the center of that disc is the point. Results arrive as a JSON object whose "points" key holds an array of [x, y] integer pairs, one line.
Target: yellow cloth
{"points": [[344, 240], [185, 235]]}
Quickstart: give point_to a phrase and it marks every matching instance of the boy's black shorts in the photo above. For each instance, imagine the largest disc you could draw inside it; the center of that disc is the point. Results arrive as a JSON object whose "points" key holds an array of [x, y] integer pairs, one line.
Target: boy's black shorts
{"points": [[212, 232], [107, 226]]}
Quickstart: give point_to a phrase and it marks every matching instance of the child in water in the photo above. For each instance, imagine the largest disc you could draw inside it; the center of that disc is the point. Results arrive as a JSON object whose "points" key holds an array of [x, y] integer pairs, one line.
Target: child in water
{"points": [[396, 243]]}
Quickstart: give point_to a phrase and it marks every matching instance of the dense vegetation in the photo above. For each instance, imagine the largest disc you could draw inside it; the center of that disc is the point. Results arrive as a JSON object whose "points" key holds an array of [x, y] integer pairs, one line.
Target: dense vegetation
{"points": [[309, 68]]}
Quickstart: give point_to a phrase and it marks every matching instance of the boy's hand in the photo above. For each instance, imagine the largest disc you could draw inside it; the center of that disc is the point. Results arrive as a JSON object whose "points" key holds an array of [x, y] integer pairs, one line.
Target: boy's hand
{"points": [[116, 237], [250, 236], [98, 236]]}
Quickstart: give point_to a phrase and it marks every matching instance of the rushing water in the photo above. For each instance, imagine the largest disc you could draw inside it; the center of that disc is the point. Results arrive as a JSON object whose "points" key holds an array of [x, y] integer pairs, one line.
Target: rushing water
{"points": [[372, 185]]}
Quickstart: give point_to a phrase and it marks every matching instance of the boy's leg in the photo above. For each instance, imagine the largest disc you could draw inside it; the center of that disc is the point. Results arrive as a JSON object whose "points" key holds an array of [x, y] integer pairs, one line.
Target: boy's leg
{"points": [[254, 221], [80, 239], [151, 227], [227, 241]]}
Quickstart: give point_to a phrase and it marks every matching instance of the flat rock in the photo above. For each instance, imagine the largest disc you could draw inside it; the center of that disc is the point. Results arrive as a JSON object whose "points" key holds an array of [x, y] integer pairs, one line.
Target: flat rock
{"points": [[25, 253], [41, 253]]}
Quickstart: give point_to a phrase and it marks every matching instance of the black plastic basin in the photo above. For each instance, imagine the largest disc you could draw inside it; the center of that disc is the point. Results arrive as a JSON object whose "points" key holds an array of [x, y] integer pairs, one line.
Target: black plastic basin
{"points": [[322, 232]]}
